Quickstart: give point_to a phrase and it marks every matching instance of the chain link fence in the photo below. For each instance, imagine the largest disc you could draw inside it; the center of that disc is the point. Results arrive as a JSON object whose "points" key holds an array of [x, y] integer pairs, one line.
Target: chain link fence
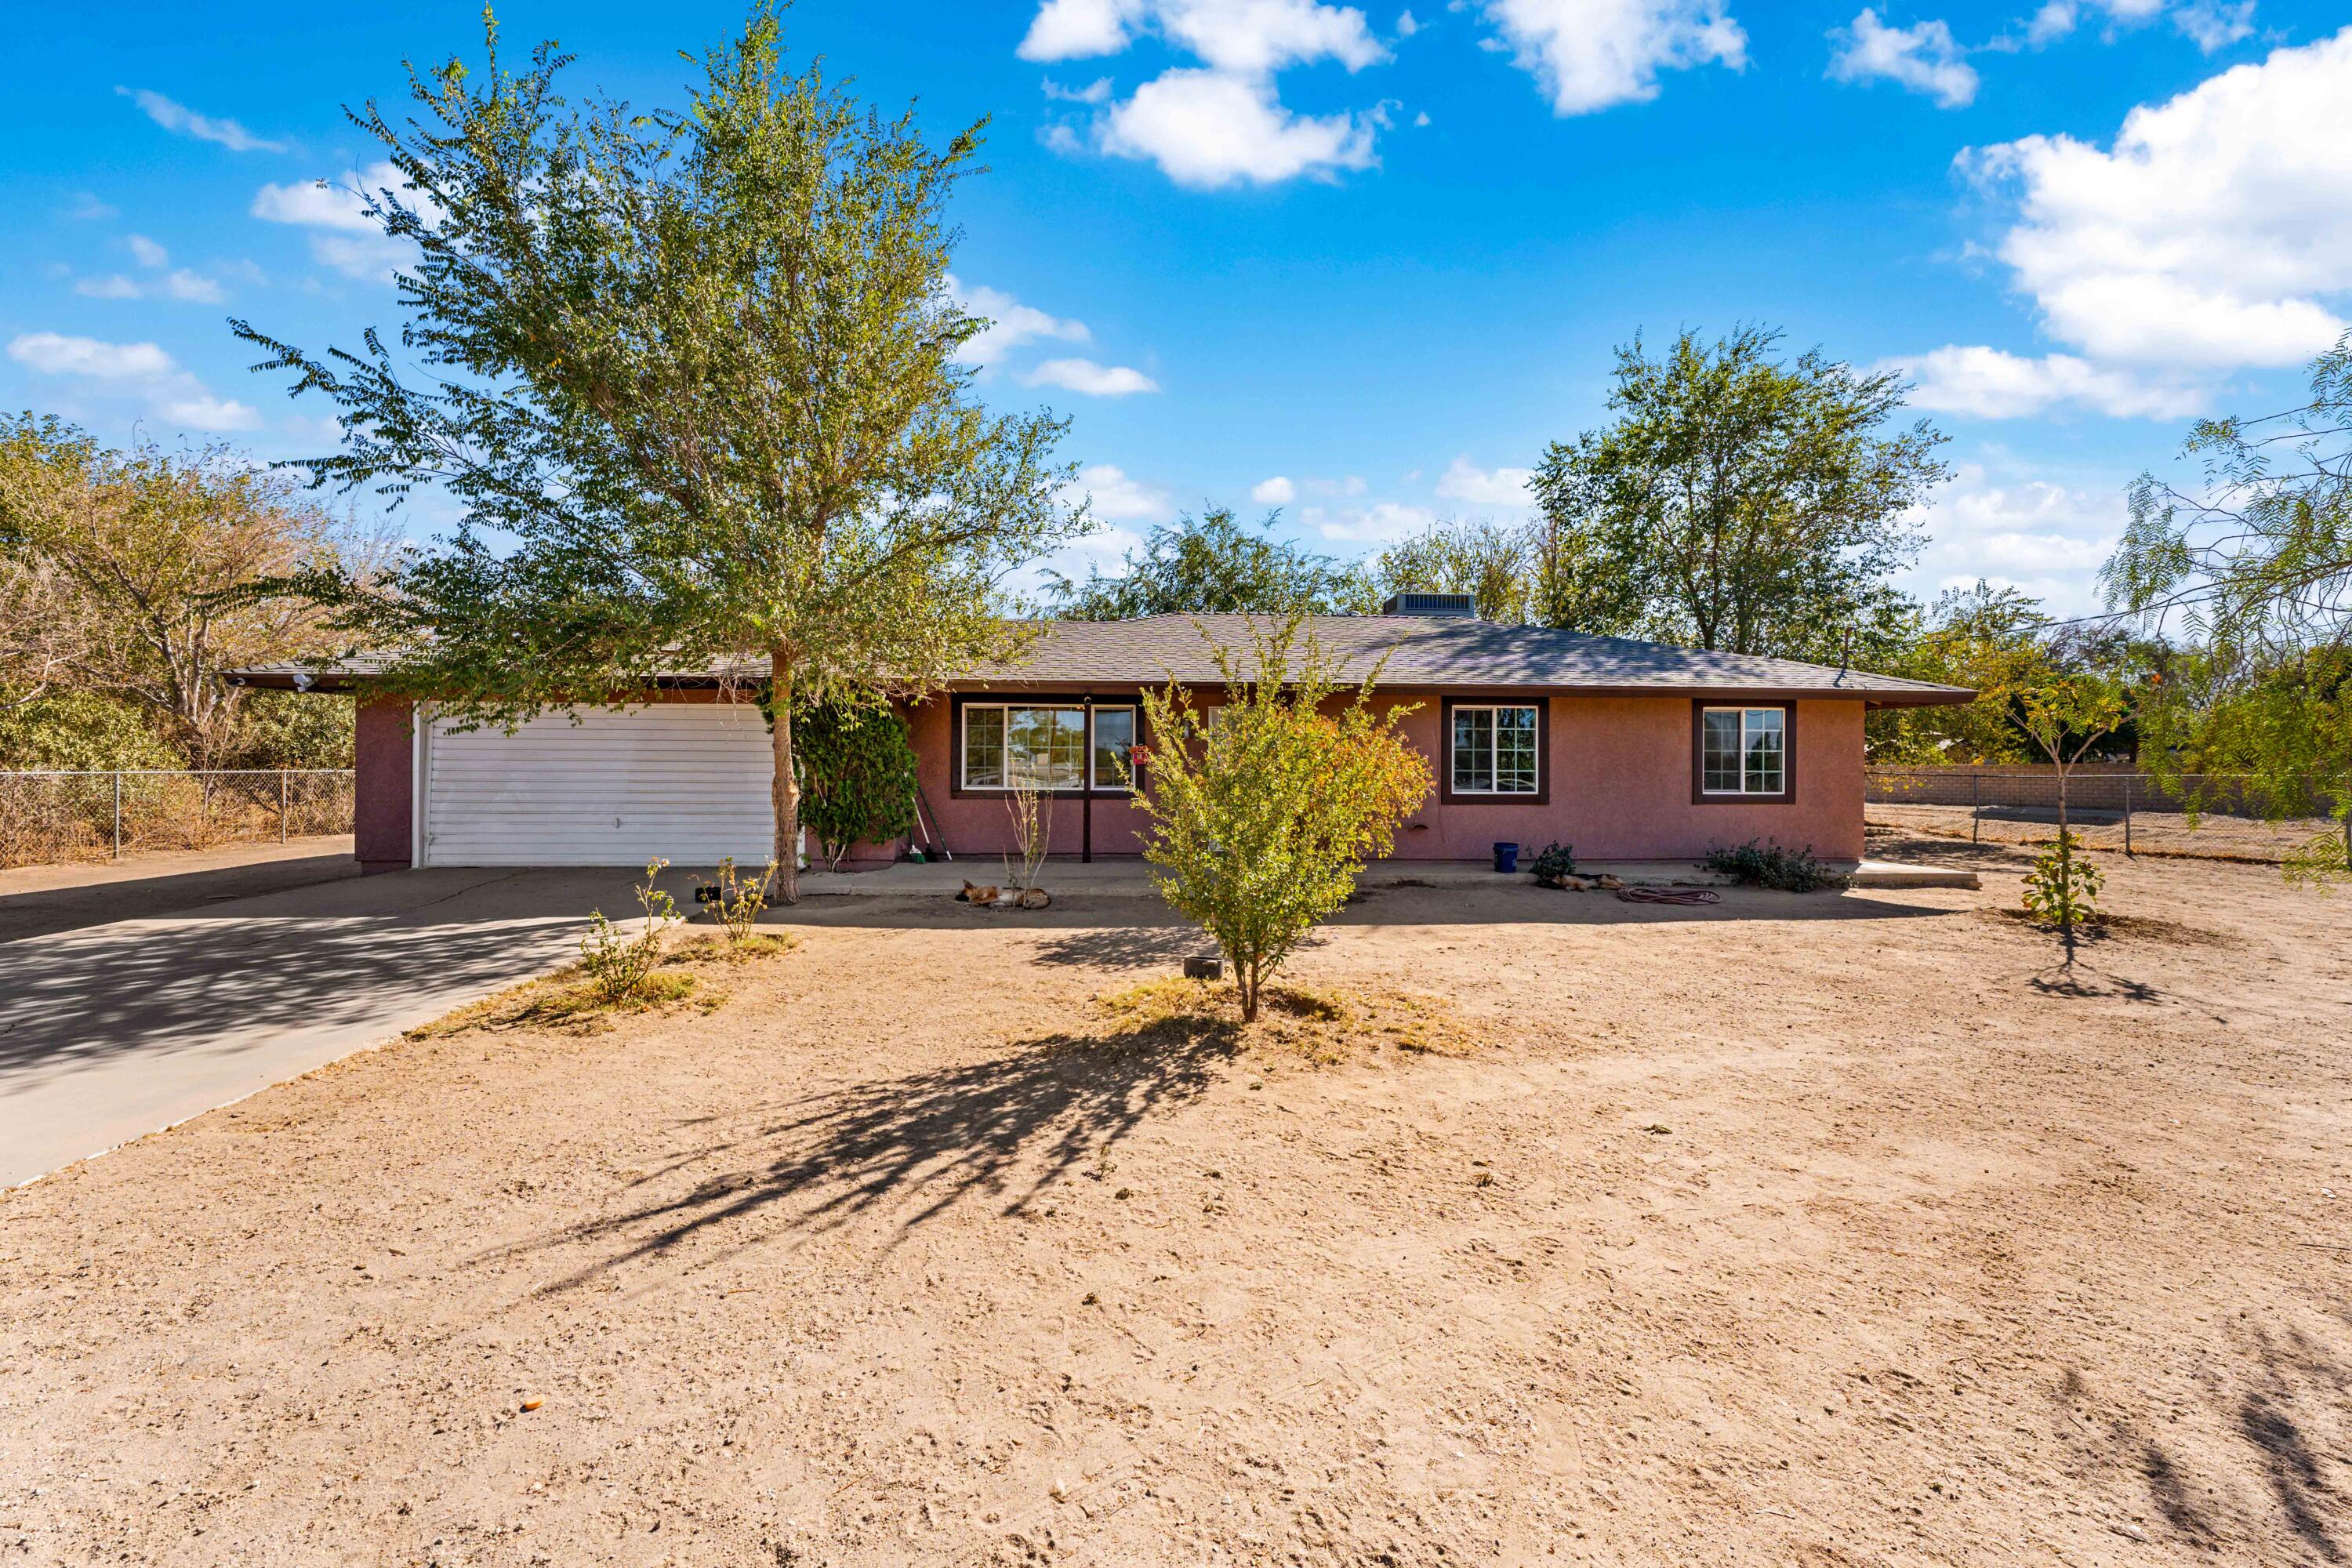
{"points": [[2121, 810], [51, 818]]}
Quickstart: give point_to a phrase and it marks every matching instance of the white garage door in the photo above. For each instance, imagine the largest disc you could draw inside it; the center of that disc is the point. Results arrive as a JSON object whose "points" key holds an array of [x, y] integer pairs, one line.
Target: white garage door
{"points": [[687, 780]]}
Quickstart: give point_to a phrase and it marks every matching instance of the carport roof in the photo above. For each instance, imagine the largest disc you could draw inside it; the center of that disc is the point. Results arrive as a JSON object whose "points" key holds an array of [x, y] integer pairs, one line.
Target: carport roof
{"points": [[1440, 652]]}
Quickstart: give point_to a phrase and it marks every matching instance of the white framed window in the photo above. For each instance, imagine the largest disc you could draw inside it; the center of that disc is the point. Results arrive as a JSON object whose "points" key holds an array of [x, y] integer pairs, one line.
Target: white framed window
{"points": [[1744, 751], [1043, 744], [1494, 749]]}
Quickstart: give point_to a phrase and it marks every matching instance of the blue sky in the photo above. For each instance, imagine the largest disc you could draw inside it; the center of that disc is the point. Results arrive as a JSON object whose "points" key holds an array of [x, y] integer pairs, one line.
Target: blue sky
{"points": [[1361, 263]]}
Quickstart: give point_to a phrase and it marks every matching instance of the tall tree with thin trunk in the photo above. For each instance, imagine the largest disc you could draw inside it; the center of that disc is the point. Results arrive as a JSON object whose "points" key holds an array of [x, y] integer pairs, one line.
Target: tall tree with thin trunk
{"points": [[693, 375], [1738, 502]]}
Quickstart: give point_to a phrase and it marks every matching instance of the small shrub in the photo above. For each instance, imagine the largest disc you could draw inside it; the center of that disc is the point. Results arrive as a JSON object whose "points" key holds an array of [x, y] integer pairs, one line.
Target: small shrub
{"points": [[2063, 888], [1769, 865], [618, 965], [739, 902], [1557, 860]]}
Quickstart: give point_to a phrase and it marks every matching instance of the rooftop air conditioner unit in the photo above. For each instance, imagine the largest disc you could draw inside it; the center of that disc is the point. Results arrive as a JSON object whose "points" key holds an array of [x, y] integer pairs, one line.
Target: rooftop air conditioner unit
{"points": [[1458, 605]]}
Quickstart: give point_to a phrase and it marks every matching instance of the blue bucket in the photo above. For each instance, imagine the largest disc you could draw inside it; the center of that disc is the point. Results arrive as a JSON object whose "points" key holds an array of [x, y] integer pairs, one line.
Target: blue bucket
{"points": [[1507, 858]]}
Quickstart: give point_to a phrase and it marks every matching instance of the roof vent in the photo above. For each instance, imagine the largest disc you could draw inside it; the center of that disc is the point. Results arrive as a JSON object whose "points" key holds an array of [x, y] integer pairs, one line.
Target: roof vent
{"points": [[1460, 605]]}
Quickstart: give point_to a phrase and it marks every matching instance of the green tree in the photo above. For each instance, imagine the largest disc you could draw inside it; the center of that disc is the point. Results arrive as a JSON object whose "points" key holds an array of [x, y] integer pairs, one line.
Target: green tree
{"points": [[2255, 564], [693, 376], [1213, 565], [1491, 562], [857, 775], [1972, 636], [1738, 503], [2065, 713], [1264, 810], [150, 553]]}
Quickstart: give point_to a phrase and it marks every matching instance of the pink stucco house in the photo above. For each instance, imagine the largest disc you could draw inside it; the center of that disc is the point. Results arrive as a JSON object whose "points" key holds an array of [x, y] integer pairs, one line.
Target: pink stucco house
{"points": [[1627, 750]]}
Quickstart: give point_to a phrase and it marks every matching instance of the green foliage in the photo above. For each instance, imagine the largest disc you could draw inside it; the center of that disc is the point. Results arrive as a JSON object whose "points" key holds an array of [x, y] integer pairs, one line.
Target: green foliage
{"points": [[620, 966], [1557, 860], [1973, 637], [1213, 564], [1738, 503], [1488, 561], [1769, 865], [856, 774], [76, 730], [2255, 564], [126, 572], [292, 729], [1262, 818], [695, 377], [741, 899], [2063, 888]]}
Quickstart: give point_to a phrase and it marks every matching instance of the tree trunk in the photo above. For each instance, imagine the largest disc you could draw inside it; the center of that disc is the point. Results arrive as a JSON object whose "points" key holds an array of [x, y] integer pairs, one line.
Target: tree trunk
{"points": [[785, 790], [2065, 874]]}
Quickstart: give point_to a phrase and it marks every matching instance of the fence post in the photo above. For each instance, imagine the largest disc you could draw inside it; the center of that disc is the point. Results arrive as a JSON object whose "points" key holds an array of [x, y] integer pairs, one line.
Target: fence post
{"points": [[1975, 805], [117, 814], [282, 793], [2128, 783]]}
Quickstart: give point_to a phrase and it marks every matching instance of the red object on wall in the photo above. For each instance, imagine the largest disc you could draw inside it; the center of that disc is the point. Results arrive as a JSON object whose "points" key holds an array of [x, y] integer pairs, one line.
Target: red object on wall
{"points": [[384, 809]]}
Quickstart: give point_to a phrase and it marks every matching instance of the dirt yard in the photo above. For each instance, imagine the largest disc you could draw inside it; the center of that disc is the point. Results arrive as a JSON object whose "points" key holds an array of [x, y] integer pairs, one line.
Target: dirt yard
{"points": [[1821, 1230]]}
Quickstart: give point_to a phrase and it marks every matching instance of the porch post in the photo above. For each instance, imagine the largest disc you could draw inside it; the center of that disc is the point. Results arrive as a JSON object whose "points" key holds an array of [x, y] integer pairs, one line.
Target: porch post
{"points": [[1087, 790]]}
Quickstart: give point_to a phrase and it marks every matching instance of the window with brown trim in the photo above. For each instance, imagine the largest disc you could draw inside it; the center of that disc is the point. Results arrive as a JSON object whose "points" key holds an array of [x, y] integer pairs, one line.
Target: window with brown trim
{"points": [[1002, 744], [1743, 752], [1494, 753]]}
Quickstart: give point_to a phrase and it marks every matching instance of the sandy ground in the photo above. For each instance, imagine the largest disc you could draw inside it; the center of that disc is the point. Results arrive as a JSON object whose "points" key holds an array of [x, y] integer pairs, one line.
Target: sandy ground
{"points": [[1828, 1230]]}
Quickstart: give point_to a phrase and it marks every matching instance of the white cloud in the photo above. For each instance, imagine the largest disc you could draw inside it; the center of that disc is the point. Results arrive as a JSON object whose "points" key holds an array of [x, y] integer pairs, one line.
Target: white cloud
{"points": [[2212, 26], [1210, 129], [1377, 523], [2217, 230], [86, 208], [2049, 539], [192, 288], [140, 370], [1244, 36], [2053, 21], [1405, 25], [1484, 486], [1011, 323], [1083, 375], [1982, 383], [147, 252], [347, 239], [53, 353], [1115, 497], [182, 121], [1275, 491], [1924, 58], [1094, 91], [1222, 123], [1588, 55]]}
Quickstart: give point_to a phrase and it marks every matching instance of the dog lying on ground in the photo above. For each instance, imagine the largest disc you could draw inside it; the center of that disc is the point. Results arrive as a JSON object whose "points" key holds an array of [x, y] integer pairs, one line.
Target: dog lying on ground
{"points": [[1003, 897]]}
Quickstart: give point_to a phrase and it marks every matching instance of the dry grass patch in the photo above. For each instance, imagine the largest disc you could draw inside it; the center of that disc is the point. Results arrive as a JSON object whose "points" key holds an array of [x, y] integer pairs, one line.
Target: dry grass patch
{"points": [[1321, 1026], [569, 1001], [2103, 927]]}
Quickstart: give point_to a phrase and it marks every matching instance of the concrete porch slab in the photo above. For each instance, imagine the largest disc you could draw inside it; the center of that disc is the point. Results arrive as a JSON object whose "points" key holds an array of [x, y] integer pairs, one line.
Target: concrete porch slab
{"points": [[1130, 879]]}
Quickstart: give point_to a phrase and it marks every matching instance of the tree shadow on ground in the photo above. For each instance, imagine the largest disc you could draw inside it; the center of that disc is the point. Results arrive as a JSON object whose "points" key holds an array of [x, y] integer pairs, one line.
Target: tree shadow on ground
{"points": [[2268, 1414], [1007, 1127]]}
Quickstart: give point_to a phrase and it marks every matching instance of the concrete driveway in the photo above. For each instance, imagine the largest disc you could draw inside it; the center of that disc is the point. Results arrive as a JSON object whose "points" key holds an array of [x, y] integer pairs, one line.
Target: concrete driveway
{"points": [[112, 1031]]}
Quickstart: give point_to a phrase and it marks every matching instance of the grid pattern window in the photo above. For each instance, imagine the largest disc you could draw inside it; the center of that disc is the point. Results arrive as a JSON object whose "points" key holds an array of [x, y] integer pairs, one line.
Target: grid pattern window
{"points": [[1009, 744], [1745, 750], [1494, 751], [1114, 741]]}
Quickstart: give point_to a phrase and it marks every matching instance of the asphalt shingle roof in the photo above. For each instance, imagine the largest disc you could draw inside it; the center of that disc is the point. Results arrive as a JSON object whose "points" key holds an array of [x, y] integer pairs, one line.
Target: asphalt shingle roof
{"points": [[1420, 651], [1439, 651]]}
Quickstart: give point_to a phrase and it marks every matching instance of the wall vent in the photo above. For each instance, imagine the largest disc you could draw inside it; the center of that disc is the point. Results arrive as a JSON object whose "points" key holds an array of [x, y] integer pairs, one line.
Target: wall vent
{"points": [[1460, 605]]}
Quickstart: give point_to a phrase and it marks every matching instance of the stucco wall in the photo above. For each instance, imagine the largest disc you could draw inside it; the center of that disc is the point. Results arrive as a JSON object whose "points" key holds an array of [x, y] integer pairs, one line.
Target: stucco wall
{"points": [[383, 787], [1618, 788]]}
